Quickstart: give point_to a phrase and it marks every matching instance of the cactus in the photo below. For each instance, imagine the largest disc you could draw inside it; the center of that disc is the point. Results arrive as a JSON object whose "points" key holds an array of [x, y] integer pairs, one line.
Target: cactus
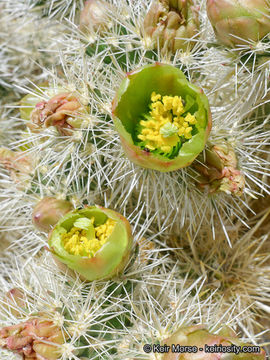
{"points": [[94, 241], [147, 109], [181, 147]]}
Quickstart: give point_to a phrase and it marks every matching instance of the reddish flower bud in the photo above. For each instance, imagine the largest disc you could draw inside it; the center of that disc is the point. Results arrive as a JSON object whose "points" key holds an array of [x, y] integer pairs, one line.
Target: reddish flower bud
{"points": [[30, 339], [49, 211], [60, 111]]}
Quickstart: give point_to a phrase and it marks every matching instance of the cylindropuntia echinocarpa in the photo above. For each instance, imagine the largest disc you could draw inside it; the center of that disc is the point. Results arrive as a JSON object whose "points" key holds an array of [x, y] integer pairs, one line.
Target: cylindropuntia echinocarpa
{"points": [[163, 120], [93, 241]]}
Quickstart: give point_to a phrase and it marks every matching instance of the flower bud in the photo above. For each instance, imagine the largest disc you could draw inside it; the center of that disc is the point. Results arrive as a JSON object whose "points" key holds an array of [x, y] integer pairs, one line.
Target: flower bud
{"points": [[48, 212], [198, 336], [94, 16], [239, 22], [62, 111], [31, 338], [170, 24], [93, 241], [219, 170], [163, 120]]}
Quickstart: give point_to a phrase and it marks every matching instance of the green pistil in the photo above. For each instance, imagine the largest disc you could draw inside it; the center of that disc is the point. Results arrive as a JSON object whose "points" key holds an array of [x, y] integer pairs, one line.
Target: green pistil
{"points": [[168, 130]]}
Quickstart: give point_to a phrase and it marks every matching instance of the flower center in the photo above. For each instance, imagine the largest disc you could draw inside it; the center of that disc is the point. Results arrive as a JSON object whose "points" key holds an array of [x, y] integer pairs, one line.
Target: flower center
{"points": [[85, 239], [166, 126]]}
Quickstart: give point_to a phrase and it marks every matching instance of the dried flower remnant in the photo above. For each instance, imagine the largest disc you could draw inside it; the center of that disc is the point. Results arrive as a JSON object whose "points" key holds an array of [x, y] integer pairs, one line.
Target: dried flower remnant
{"points": [[219, 170], [94, 241], [33, 339], [19, 165], [198, 336], [94, 16], [171, 24], [49, 211], [62, 111], [163, 120], [145, 247], [239, 22]]}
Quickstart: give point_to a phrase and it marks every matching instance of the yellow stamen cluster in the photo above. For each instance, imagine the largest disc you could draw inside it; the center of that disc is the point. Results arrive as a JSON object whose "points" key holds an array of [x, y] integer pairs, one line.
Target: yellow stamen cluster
{"points": [[76, 242], [163, 129]]}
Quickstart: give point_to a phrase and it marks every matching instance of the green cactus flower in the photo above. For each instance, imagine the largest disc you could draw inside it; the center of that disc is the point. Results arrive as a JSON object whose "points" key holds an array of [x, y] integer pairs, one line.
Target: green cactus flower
{"points": [[206, 346], [239, 22], [163, 120], [93, 241], [170, 24]]}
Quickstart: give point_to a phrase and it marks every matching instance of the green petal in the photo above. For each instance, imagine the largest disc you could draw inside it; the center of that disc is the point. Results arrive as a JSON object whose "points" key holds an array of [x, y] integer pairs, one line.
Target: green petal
{"points": [[86, 224]]}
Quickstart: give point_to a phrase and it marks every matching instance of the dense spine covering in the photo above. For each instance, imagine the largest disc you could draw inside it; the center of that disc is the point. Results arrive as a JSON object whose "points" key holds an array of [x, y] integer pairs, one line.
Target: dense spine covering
{"points": [[199, 254]]}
